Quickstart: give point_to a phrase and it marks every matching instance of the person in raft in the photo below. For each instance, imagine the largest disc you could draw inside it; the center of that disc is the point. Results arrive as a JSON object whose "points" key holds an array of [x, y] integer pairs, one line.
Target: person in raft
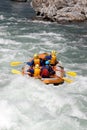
{"points": [[52, 57], [36, 60], [47, 71], [35, 72], [30, 71]]}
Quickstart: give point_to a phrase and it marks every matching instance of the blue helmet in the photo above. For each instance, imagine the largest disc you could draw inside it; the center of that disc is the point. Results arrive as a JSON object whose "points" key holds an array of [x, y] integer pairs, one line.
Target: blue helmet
{"points": [[47, 62]]}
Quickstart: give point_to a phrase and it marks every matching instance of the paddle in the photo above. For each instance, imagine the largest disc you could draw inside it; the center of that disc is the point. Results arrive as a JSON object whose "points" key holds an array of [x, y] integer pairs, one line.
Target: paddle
{"points": [[71, 73], [68, 80], [15, 63], [14, 71]]}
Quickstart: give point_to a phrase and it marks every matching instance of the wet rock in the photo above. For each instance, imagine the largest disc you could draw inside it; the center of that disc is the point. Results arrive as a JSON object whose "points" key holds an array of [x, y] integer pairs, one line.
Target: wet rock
{"points": [[20, 0], [61, 10]]}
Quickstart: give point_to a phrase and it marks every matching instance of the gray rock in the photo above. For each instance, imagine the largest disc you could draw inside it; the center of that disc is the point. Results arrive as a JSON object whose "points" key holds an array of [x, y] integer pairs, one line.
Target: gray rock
{"points": [[61, 10], [19, 0]]}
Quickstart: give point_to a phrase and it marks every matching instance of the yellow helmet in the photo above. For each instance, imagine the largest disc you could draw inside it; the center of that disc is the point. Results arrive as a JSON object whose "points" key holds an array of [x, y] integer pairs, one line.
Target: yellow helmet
{"points": [[36, 66], [36, 55], [53, 52]]}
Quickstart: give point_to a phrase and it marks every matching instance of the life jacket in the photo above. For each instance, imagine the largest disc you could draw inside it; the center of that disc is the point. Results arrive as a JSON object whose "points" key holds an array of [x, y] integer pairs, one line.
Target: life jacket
{"points": [[45, 73], [37, 61], [53, 60], [36, 72]]}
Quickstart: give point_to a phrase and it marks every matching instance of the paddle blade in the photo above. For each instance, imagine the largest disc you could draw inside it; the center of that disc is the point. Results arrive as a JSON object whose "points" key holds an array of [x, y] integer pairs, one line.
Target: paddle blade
{"points": [[16, 71], [70, 73], [67, 80], [15, 63]]}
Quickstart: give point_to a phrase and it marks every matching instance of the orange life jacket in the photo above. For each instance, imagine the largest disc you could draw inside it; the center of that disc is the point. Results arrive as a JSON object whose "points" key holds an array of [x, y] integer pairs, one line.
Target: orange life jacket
{"points": [[53, 60], [36, 72], [37, 61]]}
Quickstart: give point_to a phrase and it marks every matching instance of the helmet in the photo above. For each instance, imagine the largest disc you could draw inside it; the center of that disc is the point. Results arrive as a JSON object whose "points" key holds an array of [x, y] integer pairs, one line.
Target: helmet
{"points": [[53, 52], [36, 55], [36, 66], [47, 62]]}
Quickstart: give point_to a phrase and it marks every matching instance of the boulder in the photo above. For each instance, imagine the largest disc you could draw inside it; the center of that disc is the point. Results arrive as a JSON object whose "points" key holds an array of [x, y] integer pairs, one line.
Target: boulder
{"points": [[61, 10], [19, 0]]}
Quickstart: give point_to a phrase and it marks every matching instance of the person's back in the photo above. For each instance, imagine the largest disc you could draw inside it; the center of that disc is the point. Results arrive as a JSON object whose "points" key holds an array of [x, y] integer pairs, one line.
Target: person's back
{"points": [[45, 72], [34, 61], [37, 71]]}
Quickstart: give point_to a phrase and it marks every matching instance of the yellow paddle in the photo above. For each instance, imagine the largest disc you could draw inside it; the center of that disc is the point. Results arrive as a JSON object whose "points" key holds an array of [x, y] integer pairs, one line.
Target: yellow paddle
{"points": [[15, 63], [70, 73], [68, 80], [16, 71]]}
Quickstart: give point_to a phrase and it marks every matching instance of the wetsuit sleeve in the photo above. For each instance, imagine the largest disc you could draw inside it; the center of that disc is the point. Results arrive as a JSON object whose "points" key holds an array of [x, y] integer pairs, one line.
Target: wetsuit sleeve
{"points": [[30, 63], [42, 62], [48, 57], [51, 70], [31, 71]]}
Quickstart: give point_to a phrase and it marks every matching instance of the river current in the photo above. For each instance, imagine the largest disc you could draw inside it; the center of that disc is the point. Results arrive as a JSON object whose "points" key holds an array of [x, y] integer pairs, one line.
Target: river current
{"points": [[26, 103]]}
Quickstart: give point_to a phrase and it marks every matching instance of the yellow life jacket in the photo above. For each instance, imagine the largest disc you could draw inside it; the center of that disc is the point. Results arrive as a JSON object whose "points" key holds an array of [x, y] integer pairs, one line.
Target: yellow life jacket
{"points": [[36, 72], [53, 60], [37, 61]]}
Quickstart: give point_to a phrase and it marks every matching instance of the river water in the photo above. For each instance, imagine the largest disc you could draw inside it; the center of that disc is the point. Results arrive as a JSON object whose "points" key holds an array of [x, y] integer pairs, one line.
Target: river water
{"points": [[26, 103]]}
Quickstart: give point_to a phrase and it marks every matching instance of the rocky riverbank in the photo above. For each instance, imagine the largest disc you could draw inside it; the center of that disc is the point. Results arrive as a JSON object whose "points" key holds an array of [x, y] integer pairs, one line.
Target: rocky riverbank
{"points": [[19, 0], [61, 10]]}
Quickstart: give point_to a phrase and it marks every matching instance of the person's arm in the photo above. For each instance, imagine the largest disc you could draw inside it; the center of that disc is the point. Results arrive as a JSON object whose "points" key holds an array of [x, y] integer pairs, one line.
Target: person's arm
{"points": [[30, 63], [51, 70], [48, 57]]}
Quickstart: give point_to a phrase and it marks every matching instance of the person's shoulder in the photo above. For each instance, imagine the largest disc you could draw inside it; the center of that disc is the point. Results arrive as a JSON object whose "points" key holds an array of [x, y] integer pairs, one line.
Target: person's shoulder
{"points": [[48, 56]]}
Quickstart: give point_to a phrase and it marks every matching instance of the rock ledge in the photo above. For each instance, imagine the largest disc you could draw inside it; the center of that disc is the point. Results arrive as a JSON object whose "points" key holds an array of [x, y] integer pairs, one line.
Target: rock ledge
{"points": [[61, 10]]}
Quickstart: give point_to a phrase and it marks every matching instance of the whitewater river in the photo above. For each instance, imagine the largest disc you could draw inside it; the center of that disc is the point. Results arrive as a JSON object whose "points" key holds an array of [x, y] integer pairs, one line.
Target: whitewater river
{"points": [[26, 103]]}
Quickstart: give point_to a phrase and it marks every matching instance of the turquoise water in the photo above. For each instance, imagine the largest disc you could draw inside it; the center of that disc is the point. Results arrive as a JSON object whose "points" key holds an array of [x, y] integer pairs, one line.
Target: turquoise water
{"points": [[26, 103]]}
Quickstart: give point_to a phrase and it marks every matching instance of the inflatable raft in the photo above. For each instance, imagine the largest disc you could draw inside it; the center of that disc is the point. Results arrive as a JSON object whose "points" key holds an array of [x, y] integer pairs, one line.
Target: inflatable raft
{"points": [[55, 79]]}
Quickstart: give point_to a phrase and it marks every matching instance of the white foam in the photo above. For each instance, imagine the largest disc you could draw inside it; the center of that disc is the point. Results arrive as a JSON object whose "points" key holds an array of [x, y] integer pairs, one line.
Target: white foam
{"points": [[36, 105], [2, 17], [6, 115], [8, 41]]}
